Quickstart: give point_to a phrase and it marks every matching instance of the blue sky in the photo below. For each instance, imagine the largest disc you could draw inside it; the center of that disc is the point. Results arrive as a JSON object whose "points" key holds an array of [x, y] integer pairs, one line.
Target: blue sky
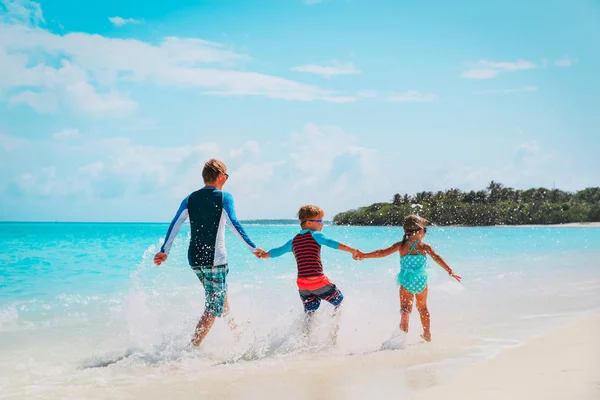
{"points": [[107, 113]]}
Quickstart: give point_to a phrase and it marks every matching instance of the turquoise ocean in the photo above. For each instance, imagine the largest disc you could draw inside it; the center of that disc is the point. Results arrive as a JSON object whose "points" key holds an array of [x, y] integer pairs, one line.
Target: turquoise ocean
{"points": [[84, 313]]}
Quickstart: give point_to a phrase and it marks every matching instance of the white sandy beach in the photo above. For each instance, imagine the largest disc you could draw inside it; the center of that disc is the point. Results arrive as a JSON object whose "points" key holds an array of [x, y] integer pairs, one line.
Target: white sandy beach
{"points": [[562, 364]]}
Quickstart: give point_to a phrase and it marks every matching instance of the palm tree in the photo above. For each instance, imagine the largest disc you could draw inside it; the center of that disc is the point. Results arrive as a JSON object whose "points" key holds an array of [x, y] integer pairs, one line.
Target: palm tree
{"points": [[494, 188]]}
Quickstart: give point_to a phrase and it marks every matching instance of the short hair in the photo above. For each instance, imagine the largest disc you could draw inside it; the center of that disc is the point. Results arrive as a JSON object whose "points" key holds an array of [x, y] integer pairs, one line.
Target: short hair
{"points": [[212, 169], [414, 223], [309, 212]]}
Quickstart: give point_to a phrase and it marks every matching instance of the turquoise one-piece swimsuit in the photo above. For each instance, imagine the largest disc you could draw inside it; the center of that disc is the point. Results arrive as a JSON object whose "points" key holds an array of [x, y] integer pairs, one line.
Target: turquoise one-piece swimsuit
{"points": [[413, 276]]}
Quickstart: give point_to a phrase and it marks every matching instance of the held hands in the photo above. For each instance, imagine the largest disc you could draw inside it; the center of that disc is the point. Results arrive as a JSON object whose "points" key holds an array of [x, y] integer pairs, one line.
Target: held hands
{"points": [[260, 253], [358, 255], [160, 258]]}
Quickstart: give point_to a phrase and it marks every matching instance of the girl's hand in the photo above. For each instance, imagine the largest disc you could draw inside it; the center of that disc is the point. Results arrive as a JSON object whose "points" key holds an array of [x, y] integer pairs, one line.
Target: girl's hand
{"points": [[452, 274], [259, 253], [358, 255]]}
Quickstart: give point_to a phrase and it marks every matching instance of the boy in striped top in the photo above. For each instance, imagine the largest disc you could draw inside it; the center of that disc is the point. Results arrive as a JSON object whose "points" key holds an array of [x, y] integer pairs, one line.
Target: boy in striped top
{"points": [[312, 283]]}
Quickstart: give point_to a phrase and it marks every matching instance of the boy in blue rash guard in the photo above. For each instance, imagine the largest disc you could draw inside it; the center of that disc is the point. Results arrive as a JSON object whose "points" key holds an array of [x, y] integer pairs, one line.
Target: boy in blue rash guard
{"points": [[209, 210], [313, 284]]}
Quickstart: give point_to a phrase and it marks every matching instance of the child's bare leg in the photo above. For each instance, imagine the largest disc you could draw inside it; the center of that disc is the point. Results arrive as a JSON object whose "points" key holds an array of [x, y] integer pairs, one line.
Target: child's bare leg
{"points": [[336, 327], [306, 327], [230, 321], [406, 303], [228, 317], [206, 322], [424, 313]]}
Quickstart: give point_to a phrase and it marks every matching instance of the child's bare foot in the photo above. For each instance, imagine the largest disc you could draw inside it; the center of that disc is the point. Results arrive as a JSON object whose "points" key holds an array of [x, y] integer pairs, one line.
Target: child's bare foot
{"points": [[426, 337]]}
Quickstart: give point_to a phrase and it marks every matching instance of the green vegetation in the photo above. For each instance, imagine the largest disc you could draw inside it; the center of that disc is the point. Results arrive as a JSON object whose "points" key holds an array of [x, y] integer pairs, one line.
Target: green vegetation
{"points": [[497, 205]]}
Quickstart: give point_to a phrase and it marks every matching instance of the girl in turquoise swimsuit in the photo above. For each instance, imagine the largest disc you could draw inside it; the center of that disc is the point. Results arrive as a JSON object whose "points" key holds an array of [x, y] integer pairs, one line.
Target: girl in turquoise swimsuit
{"points": [[413, 275]]}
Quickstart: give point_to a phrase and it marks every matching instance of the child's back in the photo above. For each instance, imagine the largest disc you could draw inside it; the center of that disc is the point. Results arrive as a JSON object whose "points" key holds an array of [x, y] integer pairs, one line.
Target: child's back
{"points": [[307, 252], [413, 264]]}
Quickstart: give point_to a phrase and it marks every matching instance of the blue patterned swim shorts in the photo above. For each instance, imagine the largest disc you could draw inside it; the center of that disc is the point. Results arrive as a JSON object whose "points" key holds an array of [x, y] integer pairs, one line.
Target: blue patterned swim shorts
{"points": [[311, 299], [214, 280]]}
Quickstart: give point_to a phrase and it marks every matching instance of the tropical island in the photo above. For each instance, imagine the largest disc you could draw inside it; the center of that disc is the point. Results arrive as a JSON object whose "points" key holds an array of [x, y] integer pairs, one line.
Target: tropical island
{"points": [[496, 205]]}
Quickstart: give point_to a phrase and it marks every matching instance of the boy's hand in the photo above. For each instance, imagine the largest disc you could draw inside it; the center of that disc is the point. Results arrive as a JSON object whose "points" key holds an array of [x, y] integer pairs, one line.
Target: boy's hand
{"points": [[260, 253], [160, 258], [358, 255], [452, 274]]}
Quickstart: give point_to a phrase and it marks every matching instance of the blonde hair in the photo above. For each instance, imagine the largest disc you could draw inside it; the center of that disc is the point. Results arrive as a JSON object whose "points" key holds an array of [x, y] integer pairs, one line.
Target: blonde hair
{"points": [[309, 212], [212, 169]]}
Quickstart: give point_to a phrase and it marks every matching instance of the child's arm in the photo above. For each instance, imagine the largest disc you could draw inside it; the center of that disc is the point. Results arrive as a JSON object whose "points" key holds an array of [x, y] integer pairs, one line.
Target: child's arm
{"points": [[438, 259], [334, 244], [383, 252], [278, 251], [347, 248]]}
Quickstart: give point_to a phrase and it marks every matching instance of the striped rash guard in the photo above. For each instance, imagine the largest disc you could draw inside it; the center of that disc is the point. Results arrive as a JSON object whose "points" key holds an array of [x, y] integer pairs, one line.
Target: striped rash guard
{"points": [[209, 210], [306, 247]]}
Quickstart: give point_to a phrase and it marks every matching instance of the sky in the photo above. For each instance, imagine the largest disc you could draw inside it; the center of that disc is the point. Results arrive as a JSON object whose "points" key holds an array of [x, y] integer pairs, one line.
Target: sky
{"points": [[109, 112]]}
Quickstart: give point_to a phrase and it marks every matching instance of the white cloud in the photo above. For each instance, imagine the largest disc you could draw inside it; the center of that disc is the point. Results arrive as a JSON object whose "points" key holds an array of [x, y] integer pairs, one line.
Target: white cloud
{"points": [[250, 146], [527, 166], [565, 62], [11, 143], [65, 134], [530, 157], [142, 125], [322, 165], [25, 11], [247, 180], [412, 96], [120, 21], [110, 104], [120, 168], [315, 148], [43, 102], [480, 74], [316, 164], [366, 94], [327, 71], [509, 66], [92, 169], [531, 147], [340, 99], [44, 183], [90, 63], [489, 69], [524, 89]]}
